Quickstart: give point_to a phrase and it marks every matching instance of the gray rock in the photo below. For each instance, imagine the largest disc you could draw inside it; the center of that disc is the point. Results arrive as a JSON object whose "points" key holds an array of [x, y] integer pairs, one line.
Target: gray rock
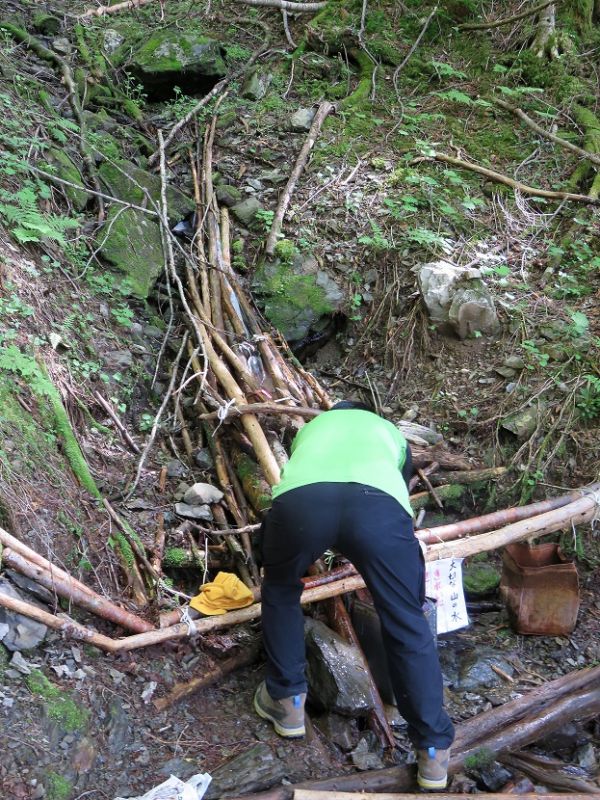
{"points": [[585, 756], [19, 663], [491, 776], [228, 195], [342, 731], [112, 40], [30, 586], [61, 45], [193, 512], [514, 362], [203, 458], [364, 758], [253, 770], [302, 119], [23, 633], [256, 85], [456, 296], [175, 469], [472, 311], [120, 360], [245, 212], [523, 423], [336, 675], [202, 493], [475, 671]]}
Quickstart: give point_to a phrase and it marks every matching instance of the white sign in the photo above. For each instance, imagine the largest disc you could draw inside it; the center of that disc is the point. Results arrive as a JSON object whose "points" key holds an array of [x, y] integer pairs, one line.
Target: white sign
{"points": [[174, 789], [443, 581]]}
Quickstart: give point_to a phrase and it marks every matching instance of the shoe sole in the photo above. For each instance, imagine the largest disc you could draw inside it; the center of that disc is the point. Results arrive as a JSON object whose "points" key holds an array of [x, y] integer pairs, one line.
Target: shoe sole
{"points": [[287, 733], [432, 785]]}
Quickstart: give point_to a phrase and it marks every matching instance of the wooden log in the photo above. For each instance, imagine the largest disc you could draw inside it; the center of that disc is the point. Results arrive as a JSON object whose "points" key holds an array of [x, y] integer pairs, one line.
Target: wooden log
{"points": [[497, 519], [467, 476], [236, 411], [315, 794], [242, 659], [550, 772], [68, 589], [234, 617], [8, 540], [70, 628], [579, 511]]}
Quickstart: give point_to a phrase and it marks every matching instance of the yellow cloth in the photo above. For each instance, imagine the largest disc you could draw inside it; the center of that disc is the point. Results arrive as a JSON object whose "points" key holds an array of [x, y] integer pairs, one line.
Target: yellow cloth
{"points": [[225, 593]]}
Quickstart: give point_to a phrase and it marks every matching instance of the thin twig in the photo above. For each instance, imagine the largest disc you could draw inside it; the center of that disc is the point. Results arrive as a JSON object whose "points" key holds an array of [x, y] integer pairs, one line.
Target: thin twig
{"points": [[482, 26]]}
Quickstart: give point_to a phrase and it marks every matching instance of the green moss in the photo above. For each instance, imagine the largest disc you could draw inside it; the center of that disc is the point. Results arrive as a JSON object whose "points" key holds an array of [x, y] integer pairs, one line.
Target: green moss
{"points": [[480, 579], [131, 241], [61, 164], [591, 142], [254, 484], [59, 706], [285, 249], [480, 759], [58, 787], [179, 558]]}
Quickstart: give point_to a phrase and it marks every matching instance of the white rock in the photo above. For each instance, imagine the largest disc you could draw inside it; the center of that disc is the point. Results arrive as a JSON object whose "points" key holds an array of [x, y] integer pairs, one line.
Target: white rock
{"points": [[202, 493], [437, 281]]}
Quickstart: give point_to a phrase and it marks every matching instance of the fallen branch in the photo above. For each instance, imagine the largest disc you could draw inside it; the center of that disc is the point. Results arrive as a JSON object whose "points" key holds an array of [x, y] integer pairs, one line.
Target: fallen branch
{"points": [[70, 591], [467, 476], [131, 5], [120, 427], [481, 26], [316, 794], [504, 179], [68, 627], [323, 111], [235, 411], [430, 489], [518, 112]]}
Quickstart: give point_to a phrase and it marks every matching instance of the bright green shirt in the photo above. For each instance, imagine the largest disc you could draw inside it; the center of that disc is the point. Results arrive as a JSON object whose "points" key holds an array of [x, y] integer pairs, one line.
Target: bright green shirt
{"points": [[348, 446]]}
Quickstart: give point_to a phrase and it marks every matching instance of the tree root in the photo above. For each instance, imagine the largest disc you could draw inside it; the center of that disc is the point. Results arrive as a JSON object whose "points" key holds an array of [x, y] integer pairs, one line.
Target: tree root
{"points": [[591, 142]]}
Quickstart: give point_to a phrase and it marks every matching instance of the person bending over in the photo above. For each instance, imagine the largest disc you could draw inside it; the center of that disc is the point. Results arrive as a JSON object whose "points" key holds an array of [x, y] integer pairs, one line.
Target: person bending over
{"points": [[345, 487]]}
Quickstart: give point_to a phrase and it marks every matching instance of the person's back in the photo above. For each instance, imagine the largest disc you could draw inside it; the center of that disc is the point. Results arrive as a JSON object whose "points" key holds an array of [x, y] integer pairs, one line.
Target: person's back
{"points": [[348, 446]]}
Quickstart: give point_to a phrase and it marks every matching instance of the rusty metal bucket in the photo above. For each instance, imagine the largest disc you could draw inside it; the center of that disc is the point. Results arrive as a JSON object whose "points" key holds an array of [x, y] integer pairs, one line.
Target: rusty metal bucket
{"points": [[540, 588]]}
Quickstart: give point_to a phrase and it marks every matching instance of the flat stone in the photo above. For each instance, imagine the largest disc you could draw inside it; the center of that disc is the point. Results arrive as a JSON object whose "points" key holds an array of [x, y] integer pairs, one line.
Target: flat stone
{"points": [[522, 423], [342, 731], [228, 195], [245, 212], [302, 119], [193, 512], [202, 493], [23, 633], [176, 469], [256, 85], [120, 360], [254, 770]]}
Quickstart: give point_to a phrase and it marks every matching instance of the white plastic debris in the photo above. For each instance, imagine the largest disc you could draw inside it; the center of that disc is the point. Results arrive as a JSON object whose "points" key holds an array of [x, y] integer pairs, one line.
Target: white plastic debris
{"points": [[175, 789]]}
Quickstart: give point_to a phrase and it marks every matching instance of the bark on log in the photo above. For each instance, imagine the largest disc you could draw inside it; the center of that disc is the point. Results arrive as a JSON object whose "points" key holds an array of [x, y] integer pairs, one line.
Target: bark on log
{"points": [[550, 772], [70, 591]]}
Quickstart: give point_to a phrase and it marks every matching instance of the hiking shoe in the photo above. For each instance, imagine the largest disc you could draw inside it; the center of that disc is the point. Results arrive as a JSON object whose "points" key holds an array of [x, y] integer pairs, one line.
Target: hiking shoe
{"points": [[432, 768], [287, 715]]}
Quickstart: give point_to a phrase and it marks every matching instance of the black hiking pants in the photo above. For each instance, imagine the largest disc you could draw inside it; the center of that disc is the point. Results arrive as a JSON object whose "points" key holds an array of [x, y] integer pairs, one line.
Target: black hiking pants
{"points": [[376, 534]]}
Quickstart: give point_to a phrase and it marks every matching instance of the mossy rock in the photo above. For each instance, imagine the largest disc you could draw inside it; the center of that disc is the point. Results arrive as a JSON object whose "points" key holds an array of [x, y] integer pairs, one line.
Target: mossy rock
{"points": [[125, 180], [58, 705], [131, 241], [63, 166], [295, 295], [46, 24], [172, 58], [480, 579]]}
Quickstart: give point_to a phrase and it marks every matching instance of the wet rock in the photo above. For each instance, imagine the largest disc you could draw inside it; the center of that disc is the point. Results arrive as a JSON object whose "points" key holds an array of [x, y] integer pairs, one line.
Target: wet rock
{"points": [[475, 671], [203, 458], [342, 731], [246, 211], [172, 58], [201, 494], [565, 738], [256, 85], [366, 756], [302, 119], [252, 771], [20, 633], [585, 756], [514, 362], [336, 676], [491, 777], [193, 512]]}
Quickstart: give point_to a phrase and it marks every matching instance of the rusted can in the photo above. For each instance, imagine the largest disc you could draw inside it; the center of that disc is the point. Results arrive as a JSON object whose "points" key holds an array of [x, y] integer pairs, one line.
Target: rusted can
{"points": [[540, 588]]}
